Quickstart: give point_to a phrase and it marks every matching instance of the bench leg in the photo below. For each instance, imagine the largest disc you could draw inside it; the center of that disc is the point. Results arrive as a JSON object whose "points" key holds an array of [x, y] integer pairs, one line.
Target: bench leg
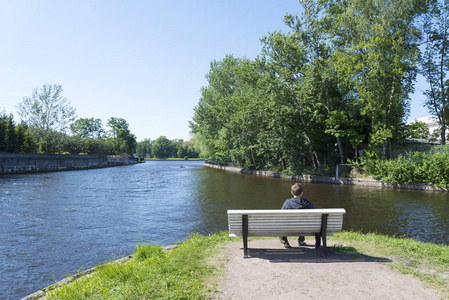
{"points": [[245, 235], [317, 240], [323, 232]]}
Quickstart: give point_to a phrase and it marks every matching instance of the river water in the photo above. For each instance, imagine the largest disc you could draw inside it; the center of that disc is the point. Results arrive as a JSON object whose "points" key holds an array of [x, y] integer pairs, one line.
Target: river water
{"points": [[53, 224]]}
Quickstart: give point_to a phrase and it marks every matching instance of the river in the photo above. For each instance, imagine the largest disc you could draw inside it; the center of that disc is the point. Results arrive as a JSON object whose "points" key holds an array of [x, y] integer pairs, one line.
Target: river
{"points": [[53, 224]]}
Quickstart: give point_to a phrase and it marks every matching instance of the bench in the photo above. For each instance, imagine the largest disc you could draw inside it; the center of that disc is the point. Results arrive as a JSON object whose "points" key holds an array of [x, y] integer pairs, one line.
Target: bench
{"points": [[285, 222]]}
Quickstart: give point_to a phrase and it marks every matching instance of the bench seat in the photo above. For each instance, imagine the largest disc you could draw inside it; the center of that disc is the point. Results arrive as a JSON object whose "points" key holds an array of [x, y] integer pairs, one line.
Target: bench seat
{"points": [[284, 222]]}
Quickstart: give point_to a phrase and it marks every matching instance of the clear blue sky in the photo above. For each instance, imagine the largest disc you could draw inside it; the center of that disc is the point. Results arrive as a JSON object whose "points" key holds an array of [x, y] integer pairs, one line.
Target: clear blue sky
{"points": [[144, 61]]}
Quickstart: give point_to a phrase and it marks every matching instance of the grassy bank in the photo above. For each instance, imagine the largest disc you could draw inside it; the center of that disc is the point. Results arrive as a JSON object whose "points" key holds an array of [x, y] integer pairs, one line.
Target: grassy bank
{"points": [[180, 273], [184, 272]]}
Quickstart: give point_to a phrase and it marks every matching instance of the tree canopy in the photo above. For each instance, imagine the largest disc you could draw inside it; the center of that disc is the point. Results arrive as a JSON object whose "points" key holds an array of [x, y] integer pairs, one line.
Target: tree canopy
{"points": [[48, 114], [334, 86]]}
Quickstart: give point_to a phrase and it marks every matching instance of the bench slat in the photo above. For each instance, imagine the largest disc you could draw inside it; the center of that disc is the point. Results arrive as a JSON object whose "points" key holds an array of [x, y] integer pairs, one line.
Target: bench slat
{"points": [[287, 211]]}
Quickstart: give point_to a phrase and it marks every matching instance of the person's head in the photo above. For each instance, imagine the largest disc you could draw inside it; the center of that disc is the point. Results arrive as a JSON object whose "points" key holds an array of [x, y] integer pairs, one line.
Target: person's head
{"points": [[297, 189]]}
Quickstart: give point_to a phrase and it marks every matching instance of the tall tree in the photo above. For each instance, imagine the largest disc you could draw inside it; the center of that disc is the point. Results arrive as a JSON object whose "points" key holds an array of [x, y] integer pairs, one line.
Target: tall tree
{"points": [[211, 120], [162, 147], [435, 65], [143, 148], [3, 122], [10, 135], [124, 140], [25, 141], [47, 113], [378, 54]]}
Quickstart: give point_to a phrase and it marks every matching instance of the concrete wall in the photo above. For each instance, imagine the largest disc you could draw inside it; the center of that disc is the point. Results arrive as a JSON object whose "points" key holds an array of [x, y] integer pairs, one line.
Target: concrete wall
{"points": [[15, 163]]}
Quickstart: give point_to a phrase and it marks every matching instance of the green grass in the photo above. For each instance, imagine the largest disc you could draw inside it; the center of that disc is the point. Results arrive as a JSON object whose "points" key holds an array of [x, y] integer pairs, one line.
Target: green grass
{"points": [[186, 272], [180, 273]]}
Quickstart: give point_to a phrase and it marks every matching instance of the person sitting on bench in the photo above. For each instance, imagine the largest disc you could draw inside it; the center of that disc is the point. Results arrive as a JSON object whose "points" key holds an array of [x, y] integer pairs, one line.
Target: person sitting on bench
{"points": [[297, 202]]}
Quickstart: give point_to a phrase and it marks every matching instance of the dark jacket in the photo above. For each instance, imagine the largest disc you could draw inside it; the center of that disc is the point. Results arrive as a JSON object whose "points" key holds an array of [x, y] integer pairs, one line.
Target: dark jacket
{"points": [[297, 203]]}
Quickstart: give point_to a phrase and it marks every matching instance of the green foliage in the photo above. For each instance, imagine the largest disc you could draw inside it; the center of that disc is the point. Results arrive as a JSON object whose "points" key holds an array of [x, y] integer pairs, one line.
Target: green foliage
{"points": [[162, 147], [14, 138], [124, 140], [143, 148], [165, 148], [435, 66], [88, 128], [418, 167], [416, 130], [340, 78], [48, 116], [144, 252]]}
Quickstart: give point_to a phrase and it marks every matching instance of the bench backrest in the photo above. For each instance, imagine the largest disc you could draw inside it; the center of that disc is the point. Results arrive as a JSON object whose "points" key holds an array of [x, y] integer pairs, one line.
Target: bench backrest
{"points": [[286, 222]]}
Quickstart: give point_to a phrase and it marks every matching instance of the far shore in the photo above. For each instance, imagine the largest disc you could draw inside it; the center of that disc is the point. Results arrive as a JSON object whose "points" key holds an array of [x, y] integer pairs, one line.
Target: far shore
{"points": [[331, 180], [173, 159]]}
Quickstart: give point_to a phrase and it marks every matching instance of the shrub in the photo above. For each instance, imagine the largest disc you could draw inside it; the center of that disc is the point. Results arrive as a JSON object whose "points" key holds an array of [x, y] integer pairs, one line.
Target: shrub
{"points": [[417, 167]]}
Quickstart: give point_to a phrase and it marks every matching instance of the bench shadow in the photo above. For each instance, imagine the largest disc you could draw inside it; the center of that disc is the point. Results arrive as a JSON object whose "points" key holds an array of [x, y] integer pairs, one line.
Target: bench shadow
{"points": [[309, 254]]}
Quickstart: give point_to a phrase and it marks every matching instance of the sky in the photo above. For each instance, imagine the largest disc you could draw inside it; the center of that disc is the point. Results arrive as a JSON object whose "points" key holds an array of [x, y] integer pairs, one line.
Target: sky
{"points": [[143, 61]]}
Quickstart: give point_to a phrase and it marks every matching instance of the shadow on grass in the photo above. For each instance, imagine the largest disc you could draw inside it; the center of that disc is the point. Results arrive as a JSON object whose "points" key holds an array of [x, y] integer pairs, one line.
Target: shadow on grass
{"points": [[308, 254]]}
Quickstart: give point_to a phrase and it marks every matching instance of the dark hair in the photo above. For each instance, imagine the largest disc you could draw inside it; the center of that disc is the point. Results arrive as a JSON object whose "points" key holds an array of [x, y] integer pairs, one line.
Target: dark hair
{"points": [[297, 189]]}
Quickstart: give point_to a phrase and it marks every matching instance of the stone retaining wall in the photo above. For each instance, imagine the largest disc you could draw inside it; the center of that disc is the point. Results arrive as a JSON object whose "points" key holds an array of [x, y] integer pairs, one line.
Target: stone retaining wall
{"points": [[331, 180], [16, 163]]}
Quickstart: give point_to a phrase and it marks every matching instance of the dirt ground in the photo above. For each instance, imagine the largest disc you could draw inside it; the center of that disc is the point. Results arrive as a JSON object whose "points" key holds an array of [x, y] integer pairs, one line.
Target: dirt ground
{"points": [[273, 272]]}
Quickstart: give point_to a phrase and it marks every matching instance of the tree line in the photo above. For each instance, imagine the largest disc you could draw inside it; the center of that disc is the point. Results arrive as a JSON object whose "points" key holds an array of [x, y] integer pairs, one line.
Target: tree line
{"points": [[49, 125], [165, 148], [337, 85]]}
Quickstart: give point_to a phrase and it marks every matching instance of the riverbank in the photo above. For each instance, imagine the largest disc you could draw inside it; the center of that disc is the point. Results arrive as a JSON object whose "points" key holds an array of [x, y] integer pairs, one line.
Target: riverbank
{"points": [[212, 267], [330, 180], [20, 163]]}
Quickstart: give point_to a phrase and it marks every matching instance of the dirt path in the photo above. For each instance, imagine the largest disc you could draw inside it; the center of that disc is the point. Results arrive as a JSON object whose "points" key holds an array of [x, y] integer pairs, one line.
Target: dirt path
{"points": [[273, 272]]}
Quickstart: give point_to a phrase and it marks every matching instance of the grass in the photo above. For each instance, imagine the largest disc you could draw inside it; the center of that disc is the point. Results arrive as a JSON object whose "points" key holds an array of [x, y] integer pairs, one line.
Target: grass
{"points": [[185, 272], [180, 273]]}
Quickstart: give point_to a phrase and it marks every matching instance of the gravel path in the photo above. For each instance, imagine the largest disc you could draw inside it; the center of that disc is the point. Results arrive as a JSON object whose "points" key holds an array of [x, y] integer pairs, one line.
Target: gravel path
{"points": [[273, 272]]}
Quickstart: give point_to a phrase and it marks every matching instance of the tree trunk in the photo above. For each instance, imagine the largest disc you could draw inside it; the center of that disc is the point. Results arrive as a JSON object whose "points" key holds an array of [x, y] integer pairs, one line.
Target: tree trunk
{"points": [[340, 150]]}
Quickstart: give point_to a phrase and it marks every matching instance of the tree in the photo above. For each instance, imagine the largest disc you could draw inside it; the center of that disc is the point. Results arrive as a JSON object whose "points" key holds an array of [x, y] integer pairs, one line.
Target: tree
{"points": [[162, 147], [143, 148], [435, 65], [124, 140], [24, 140], [47, 113], [378, 53], [340, 78], [3, 122], [10, 135], [211, 120], [88, 128]]}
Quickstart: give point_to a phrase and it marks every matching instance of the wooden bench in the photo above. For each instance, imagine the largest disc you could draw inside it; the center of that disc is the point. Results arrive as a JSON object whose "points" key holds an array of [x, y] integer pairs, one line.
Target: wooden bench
{"points": [[284, 222]]}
